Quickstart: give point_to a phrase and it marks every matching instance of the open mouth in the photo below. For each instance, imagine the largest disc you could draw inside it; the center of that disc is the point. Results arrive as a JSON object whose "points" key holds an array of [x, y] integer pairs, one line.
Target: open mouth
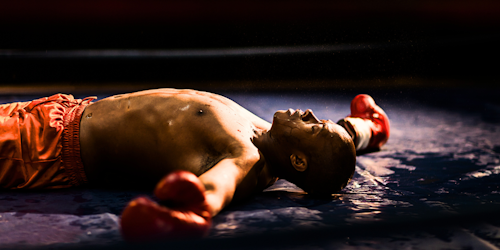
{"points": [[308, 115]]}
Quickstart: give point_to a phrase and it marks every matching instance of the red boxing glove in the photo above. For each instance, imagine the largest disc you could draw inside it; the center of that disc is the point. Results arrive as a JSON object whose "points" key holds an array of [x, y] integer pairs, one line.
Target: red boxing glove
{"points": [[189, 217], [369, 122]]}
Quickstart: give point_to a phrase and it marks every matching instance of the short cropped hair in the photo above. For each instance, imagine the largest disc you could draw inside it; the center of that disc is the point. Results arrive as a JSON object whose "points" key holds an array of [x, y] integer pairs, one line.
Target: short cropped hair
{"points": [[329, 170]]}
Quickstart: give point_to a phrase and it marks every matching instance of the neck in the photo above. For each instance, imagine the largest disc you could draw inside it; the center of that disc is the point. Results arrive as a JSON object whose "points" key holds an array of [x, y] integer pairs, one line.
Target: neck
{"points": [[261, 138], [269, 149]]}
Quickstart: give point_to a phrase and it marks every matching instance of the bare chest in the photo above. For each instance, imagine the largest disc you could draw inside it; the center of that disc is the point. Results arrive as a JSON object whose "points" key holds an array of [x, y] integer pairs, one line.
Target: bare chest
{"points": [[148, 142]]}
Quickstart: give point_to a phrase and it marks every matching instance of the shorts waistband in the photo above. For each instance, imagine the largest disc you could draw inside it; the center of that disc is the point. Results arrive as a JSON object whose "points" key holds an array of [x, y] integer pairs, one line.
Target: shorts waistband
{"points": [[71, 158]]}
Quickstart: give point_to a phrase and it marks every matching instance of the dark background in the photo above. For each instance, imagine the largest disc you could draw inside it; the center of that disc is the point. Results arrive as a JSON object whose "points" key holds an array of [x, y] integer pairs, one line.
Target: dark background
{"points": [[446, 43], [405, 53]]}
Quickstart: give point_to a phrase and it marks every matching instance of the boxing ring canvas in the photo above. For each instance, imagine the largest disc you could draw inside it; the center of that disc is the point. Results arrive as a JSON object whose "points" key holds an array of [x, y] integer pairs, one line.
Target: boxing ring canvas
{"points": [[435, 184]]}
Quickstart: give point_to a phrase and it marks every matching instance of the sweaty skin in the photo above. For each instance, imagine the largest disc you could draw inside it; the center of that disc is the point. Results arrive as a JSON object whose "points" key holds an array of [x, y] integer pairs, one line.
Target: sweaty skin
{"points": [[199, 151], [133, 140]]}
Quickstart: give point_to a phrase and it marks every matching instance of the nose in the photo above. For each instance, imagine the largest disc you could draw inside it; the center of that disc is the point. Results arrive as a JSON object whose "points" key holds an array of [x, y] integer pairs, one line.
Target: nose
{"points": [[309, 116]]}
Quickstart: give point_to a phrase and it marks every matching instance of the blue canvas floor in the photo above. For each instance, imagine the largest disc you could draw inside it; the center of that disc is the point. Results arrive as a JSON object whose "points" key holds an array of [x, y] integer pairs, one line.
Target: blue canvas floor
{"points": [[434, 185]]}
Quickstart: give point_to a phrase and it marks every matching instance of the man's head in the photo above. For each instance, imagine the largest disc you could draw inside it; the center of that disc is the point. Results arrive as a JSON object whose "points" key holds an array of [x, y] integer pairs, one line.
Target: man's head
{"points": [[318, 156]]}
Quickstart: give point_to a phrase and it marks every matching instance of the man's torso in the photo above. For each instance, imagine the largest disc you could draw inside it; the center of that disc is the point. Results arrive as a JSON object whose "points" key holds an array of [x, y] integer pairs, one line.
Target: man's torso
{"points": [[137, 138]]}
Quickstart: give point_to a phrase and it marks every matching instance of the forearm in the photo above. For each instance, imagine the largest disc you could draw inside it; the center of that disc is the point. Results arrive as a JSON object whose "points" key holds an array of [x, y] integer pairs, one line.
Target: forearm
{"points": [[220, 184]]}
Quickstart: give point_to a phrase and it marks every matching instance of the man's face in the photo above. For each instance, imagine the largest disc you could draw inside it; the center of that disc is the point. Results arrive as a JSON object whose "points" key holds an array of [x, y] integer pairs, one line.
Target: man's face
{"points": [[298, 128], [324, 146]]}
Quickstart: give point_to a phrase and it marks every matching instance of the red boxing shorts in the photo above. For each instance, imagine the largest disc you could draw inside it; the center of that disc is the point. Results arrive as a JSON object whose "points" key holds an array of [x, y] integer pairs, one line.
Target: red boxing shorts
{"points": [[40, 143]]}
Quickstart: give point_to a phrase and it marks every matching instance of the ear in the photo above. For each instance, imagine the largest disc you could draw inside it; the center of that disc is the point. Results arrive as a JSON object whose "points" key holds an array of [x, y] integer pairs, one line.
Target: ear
{"points": [[299, 161]]}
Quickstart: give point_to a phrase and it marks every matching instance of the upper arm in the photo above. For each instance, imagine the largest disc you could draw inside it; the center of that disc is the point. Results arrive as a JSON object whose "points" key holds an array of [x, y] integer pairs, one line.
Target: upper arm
{"points": [[222, 180]]}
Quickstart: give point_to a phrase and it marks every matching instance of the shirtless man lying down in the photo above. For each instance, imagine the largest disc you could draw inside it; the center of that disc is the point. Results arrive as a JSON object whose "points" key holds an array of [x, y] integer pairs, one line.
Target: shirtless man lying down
{"points": [[198, 151]]}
